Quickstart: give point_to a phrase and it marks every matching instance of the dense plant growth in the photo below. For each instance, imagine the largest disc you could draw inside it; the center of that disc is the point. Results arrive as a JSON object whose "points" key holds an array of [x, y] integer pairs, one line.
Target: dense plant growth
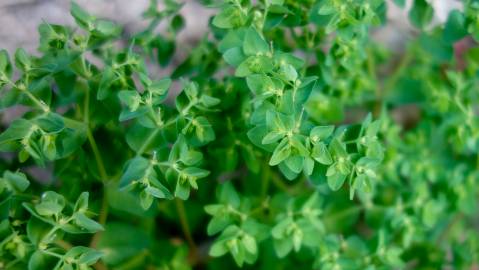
{"points": [[325, 149]]}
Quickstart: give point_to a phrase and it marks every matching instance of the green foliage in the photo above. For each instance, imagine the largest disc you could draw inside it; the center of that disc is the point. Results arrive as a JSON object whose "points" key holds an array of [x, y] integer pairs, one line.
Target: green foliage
{"points": [[325, 149]]}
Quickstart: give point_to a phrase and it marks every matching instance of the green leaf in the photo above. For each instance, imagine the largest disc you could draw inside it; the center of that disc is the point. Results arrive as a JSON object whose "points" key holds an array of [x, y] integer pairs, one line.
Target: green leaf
{"points": [[275, 2], [455, 28], [177, 23], [272, 137], [209, 101], [182, 189], [81, 16], [159, 193], [133, 241], [160, 87], [204, 133], [41, 261], [130, 98], [298, 142], [320, 133], [254, 64], [228, 194], [135, 170], [22, 60], [5, 67], [51, 203], [17, 130], [229, 17], [218, 249], [337, 149], [146, 199], [87, 224], [249, 156], [16, 180], [431, 212], [327, 8], [336, 180], [107, 78], [37, 230], [195, 172], [234, 56], [308, 166], [400, 3], [50, 123], [249, 243], [81, 204], [283, 246], [254, 44], [260, 83], [105, 28], [190, 157], [321, 154], [281, 152], [421, 13], [295, 163], [89, 256], [288, 73]]}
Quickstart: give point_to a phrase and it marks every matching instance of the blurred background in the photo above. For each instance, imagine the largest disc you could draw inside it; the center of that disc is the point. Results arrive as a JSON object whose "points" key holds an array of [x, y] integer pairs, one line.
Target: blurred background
{"points": [[19, 19]]}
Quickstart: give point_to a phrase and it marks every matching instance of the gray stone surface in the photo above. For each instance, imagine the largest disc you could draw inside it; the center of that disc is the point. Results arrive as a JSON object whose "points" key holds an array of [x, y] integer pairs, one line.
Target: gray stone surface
{"points": [[19, 19]]}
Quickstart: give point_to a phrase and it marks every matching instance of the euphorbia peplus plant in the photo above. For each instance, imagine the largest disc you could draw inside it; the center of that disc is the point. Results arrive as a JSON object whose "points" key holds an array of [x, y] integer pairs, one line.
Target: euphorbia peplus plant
{"points": [[325, 149]]}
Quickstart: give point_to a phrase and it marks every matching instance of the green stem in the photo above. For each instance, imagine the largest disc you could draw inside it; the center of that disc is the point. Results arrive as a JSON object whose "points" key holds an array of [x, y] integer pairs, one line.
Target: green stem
{"points": [[152, 135], [50, 233], [180, 207], [266, 177], [147, 142], [102, 218], [52, 254], [91, 139], [12, 263], [101, 169], [278, 182], [42, 105], [405, 60], [456, 218], [135, 261], [39, 103], [372, 73], [64, 244], [8, 238], [98, 159]]}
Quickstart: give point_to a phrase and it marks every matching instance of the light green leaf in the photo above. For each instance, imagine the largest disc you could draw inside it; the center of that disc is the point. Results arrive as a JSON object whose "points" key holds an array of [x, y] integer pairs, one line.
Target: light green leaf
{"points": [[282, 151], [254, 44]]}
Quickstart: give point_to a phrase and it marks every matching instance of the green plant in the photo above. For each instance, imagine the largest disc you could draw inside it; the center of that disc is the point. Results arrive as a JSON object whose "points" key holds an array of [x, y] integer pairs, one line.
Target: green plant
{"points": [[288, 111]]}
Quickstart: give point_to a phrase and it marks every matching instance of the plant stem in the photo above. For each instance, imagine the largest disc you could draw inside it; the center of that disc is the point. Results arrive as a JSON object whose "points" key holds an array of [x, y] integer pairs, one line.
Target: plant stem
{"points": [[147, 142], [52, 254], [63, 244], [389, 84], [343, 213], [372, 73], [103, 175], [39, 103], [265, 182], [180, 207], [42, 105], [278, 182], [12, 263], [91, 139], [456, 218], [98, 159]]}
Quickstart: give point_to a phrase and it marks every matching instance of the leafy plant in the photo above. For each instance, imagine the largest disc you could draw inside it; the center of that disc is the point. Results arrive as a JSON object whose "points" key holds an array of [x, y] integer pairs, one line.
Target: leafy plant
{"points": [[325, 149]]}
